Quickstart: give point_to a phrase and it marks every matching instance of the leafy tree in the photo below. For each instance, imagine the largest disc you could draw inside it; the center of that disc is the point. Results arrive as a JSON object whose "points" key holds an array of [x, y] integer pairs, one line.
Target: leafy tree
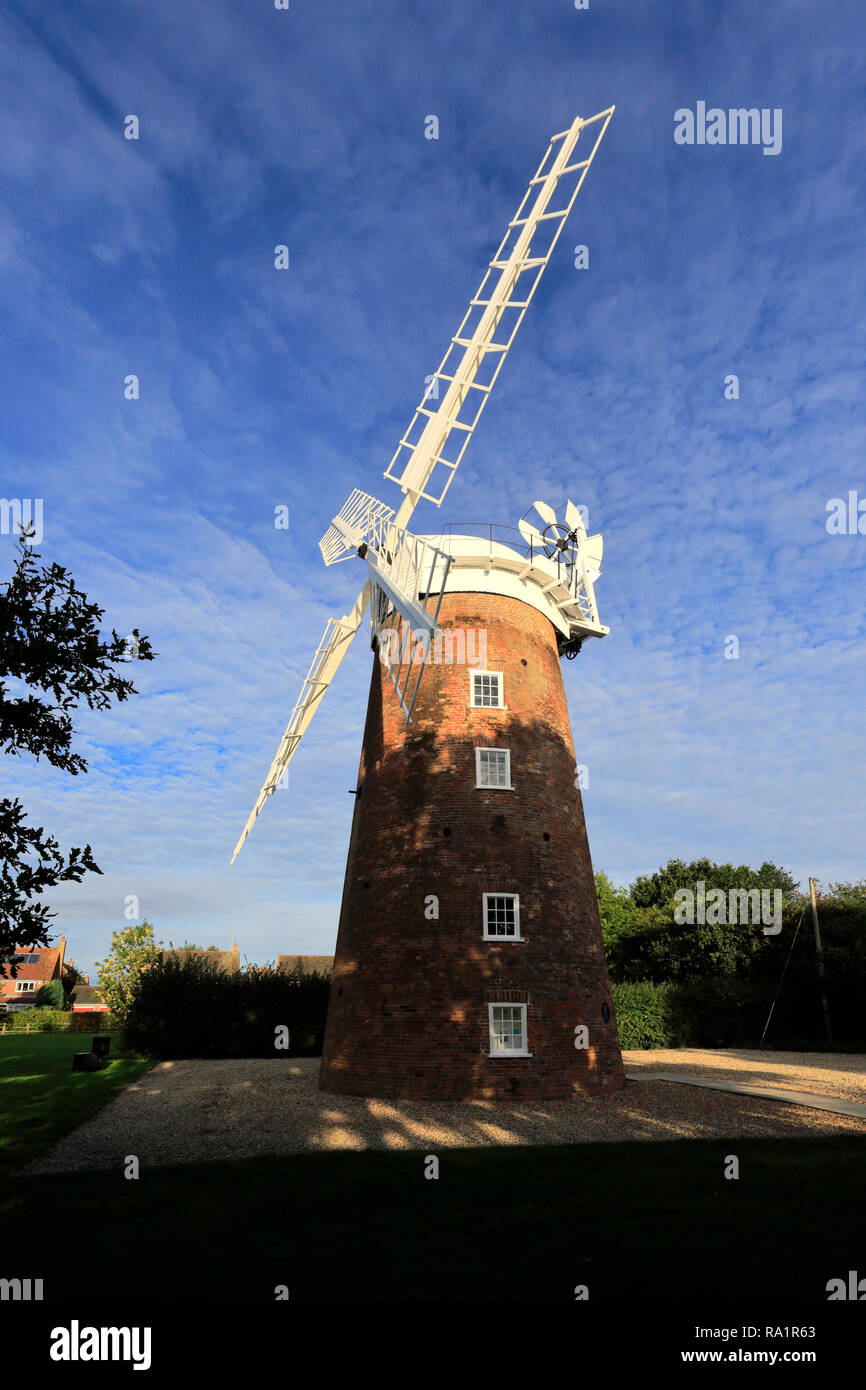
{"points": [[51, 996], [850, 895], [710, 980], [52, 652], [644, 941], [133, 952], [659, 949], [615, 909], [658, 889]]}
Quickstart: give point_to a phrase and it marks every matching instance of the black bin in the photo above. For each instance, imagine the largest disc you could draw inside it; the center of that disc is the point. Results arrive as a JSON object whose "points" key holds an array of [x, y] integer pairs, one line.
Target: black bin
{"points": [[86, 1061]]}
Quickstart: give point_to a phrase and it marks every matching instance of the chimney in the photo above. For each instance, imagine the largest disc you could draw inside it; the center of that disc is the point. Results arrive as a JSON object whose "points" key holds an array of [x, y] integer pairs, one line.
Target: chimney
{"points": [[62, 955]]}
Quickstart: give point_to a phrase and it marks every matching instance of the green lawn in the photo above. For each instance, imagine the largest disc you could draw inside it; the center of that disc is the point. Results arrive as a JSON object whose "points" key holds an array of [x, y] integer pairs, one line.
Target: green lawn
{"points": [[633, 1221], [41, 1098]]}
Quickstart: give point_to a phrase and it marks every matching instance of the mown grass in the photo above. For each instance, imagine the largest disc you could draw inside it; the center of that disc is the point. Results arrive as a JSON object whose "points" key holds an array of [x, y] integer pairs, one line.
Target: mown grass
{"points": [[42, 1098]]}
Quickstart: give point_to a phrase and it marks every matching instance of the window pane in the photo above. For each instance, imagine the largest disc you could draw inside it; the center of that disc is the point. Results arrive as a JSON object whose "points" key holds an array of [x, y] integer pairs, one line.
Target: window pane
{"points": [[493, 767], [501, 918], [506, 1032], [485, 690]]}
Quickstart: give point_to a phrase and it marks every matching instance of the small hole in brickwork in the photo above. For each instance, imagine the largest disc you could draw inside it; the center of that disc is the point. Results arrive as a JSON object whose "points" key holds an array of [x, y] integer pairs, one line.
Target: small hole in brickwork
{"points": [[605, 1012], [446, 830], [367, 883], [523, 661], [340, 991], [546, 835]]}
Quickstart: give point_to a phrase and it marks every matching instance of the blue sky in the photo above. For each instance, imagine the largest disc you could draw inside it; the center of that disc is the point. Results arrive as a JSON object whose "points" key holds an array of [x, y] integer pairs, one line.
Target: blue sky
{"points": [[259, 388]]}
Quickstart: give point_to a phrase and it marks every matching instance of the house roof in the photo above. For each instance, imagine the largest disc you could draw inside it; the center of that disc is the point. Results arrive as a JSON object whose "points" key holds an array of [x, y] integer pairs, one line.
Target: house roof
{"points": [[306, 965], [223, 960], [43, 968], [86, 994]]}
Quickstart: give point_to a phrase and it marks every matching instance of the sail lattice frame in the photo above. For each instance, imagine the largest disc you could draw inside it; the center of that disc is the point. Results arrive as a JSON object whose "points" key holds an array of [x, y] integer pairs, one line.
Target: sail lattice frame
{"points": [[474, 357], [359, 520]]}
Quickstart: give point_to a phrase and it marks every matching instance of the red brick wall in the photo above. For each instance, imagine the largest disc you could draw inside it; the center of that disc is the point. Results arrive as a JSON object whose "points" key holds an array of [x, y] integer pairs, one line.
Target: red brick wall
{"points": [[408, 1010]]}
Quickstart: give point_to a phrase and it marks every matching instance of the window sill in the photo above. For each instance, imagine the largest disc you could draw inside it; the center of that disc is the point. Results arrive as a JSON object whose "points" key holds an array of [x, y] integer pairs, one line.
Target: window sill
{"points": [[485, 787], [509, 1056], [500, 939]]}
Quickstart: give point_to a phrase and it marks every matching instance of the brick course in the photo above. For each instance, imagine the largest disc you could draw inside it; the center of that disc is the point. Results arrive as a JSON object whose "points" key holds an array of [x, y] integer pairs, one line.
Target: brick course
{"points": [[408, 1013]]}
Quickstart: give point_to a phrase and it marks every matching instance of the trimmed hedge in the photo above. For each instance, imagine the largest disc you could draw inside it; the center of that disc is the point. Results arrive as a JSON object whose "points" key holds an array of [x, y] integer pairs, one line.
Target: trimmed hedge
{"points": [[187, 1007], [57, 1021], [692, 1013], [643, 1015], [731, 1012]]}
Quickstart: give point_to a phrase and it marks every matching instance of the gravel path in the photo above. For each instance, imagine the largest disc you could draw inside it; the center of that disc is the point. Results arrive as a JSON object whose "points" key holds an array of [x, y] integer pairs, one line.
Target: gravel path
{"points": [[192, 1111]]}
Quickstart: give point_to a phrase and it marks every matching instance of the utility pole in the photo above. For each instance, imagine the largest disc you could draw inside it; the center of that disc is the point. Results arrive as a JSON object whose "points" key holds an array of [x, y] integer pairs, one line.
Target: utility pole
{"points": [[820, 953]]}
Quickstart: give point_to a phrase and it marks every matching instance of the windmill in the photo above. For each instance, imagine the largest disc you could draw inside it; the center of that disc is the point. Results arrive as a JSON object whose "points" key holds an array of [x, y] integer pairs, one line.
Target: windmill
{"points": [[469, 958]]}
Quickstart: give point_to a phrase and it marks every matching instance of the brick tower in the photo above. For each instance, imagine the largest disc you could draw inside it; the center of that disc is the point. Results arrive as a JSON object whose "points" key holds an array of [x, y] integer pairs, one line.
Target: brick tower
{"points": [[469, 959]]}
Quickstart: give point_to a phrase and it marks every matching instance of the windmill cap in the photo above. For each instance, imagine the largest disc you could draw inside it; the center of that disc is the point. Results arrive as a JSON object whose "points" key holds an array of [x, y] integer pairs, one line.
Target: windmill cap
{"points": [[483, 566]]}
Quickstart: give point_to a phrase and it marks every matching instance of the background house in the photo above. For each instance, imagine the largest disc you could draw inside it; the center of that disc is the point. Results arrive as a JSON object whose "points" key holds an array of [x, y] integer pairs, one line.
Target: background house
{"points": [[86, 999], [33, 969]]}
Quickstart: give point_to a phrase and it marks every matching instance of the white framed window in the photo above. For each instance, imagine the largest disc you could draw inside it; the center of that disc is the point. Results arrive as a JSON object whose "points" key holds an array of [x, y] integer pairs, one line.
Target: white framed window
{"points": [[485, 690], [501, 917], [25, 986], [508, 1030], [493, 768]]}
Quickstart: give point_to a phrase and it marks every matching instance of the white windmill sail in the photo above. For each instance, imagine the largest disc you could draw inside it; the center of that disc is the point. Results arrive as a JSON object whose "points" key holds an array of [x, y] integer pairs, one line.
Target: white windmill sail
{"points": [[474, 358], [329, 653], [467, 373]]}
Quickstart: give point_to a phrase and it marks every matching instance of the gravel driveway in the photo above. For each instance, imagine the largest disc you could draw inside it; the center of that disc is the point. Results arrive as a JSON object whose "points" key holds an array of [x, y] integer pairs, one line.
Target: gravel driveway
{"points": [[820, 1073], [190, 1111]]}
